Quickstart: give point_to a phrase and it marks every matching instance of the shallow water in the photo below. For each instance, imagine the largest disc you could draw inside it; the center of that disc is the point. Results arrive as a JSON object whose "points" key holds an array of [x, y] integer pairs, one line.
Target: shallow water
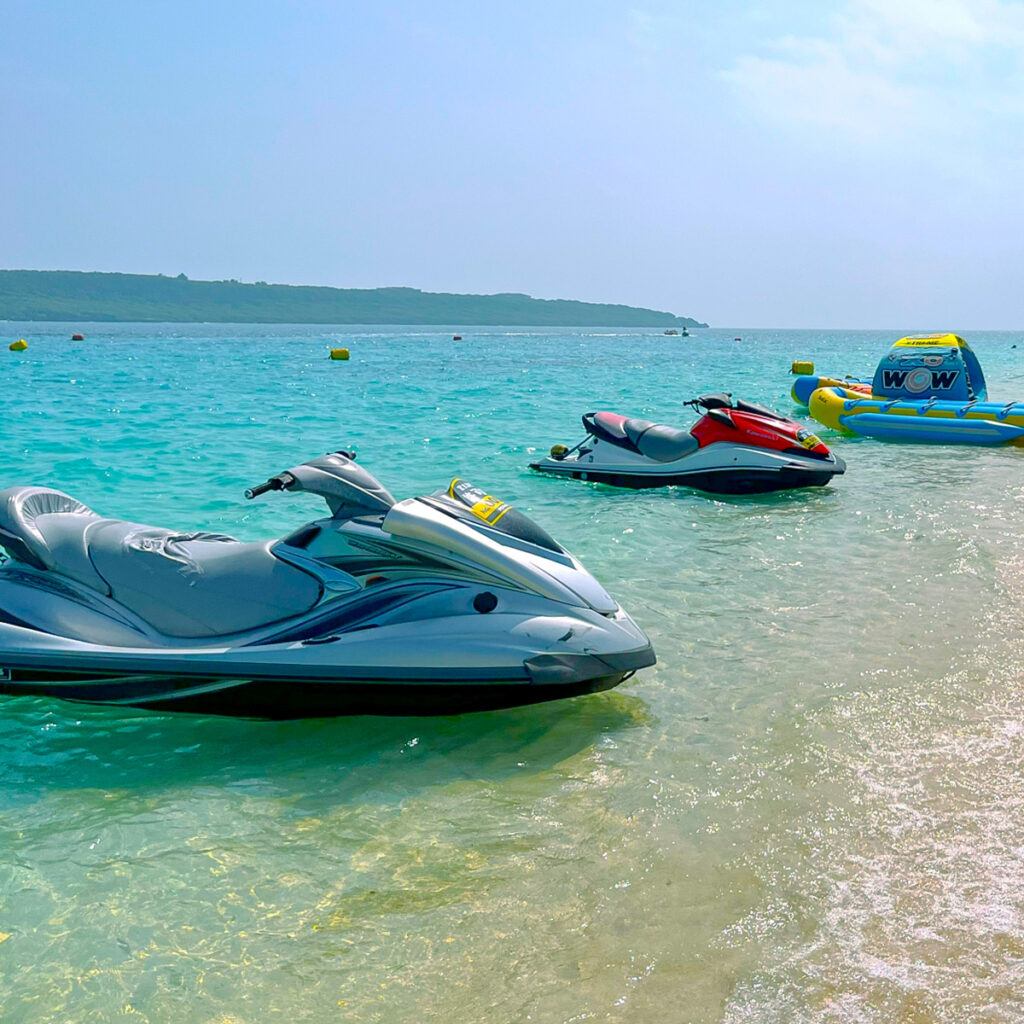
{"points": [[809, 810]]}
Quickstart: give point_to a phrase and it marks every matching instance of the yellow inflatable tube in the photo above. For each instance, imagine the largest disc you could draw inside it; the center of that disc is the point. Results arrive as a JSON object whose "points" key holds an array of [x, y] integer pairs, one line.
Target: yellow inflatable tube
{"points": [[805, 385], [942, 422]]}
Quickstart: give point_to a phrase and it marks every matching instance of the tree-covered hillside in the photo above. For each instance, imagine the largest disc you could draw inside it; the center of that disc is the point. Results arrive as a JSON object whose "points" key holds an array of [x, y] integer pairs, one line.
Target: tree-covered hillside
{"points": [[77, 296]]}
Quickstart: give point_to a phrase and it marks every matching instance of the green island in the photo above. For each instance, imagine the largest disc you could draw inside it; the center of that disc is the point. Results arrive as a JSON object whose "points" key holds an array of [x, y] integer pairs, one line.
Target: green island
{"points": [[71, 295]]}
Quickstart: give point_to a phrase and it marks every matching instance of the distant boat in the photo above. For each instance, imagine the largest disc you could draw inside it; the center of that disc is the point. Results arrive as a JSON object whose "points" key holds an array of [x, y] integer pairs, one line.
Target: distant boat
{"points": [[672, 331]]}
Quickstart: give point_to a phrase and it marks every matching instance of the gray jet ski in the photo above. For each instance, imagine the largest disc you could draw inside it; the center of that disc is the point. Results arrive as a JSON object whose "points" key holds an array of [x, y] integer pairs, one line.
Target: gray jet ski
{"points": [[438, 604]]}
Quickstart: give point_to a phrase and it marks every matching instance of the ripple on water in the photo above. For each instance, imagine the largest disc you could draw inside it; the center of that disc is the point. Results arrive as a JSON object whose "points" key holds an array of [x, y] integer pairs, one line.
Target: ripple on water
{"points": [[899, 897]]}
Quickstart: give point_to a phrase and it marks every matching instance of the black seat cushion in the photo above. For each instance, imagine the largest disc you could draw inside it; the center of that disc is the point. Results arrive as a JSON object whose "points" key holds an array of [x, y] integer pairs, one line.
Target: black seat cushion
{"points": [[656, 441], [665, 444]]}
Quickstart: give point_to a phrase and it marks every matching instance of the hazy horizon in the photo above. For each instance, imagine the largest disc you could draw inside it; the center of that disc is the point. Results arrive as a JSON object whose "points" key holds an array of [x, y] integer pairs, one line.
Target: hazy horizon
{"points": [[941, 328], [854, 163]]}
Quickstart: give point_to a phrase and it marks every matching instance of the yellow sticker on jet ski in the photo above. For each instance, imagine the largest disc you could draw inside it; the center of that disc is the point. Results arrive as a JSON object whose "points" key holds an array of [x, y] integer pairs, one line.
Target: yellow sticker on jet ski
{"points": [[807, 439], [483, 506]]}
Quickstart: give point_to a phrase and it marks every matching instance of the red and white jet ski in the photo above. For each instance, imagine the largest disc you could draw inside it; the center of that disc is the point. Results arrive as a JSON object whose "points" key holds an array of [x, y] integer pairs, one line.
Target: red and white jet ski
{"points": [[736, 447]]}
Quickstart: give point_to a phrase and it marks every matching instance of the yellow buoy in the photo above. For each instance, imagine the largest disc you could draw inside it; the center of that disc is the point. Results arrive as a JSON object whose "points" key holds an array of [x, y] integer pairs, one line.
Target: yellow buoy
{"points": [[802, 368], [18, 346], [339, 353]]}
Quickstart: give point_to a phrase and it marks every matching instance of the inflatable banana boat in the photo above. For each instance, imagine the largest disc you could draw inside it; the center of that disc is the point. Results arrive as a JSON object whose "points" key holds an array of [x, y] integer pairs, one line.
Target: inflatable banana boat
{"points": [[926, 388]]}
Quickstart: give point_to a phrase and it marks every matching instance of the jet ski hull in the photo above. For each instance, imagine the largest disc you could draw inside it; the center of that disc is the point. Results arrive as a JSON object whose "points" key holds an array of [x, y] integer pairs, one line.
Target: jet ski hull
{"points": [[723, 481], [773, 473], [284, 699], [328, 676]]}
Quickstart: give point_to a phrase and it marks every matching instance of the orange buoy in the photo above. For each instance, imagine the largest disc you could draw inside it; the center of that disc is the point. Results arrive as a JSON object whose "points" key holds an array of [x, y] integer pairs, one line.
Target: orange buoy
{"points": [[78, 337]]}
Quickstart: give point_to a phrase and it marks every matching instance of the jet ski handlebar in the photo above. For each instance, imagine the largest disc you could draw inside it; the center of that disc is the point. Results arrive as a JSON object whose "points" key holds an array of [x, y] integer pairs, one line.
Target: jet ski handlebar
{"points": [[348, 489], [722, 400], [281, 482]]}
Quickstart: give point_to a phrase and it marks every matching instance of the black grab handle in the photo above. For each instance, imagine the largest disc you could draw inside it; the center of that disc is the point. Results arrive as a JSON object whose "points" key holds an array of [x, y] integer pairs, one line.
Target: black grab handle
{"points": [[275, 483]]}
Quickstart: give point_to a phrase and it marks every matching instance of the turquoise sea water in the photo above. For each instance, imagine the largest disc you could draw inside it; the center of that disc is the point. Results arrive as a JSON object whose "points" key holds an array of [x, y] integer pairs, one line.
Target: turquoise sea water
{"points": [[811, 810]]}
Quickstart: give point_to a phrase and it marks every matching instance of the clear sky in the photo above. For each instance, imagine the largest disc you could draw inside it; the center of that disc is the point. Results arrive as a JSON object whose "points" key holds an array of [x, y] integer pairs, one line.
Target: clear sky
{"points": [[793, 164]]}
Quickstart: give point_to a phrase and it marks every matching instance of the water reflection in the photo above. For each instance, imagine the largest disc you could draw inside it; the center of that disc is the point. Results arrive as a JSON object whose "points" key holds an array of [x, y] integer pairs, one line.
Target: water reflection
{"points": [[56, 745]]}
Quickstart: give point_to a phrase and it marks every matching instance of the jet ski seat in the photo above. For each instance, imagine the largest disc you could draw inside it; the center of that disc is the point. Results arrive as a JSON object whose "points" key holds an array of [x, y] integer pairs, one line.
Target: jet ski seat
{"points": [[654, 440], [184, 585], [46, 529]]}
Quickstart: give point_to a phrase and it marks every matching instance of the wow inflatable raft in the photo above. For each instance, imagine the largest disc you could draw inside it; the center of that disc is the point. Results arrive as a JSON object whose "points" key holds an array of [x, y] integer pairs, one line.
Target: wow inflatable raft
{"points": [[927, 388]]}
